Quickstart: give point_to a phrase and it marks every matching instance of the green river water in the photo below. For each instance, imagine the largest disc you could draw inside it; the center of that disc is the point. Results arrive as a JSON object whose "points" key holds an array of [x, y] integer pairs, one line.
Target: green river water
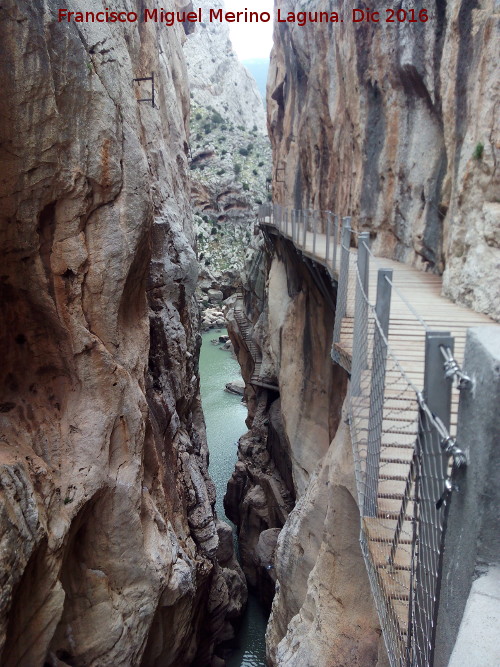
{"points": [[225, 419]]}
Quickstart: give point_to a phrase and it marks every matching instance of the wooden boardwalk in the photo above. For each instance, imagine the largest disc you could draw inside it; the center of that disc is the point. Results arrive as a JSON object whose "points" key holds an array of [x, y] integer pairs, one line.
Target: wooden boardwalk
{"points": [[406, 337], [422, 290]]}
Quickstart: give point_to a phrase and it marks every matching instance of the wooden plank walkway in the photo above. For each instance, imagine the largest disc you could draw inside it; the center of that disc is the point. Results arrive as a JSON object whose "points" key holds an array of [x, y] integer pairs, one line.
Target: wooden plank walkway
{"points": [[400, 408], [422, 290]]}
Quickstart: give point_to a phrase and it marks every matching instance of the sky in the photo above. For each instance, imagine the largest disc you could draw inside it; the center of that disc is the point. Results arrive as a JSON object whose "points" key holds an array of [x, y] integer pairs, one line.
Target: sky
{"points": [[251, 40]]}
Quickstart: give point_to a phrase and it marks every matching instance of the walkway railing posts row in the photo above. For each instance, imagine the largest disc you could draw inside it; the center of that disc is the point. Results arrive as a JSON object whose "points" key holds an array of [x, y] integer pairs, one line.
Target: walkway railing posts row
{"points": [[360, 334], [377, 390], [401, 439], [343, 279]]}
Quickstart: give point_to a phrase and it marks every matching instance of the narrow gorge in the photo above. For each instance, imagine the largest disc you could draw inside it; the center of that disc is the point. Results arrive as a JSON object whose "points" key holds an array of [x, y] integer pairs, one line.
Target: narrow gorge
{"points": [[146, 199]]}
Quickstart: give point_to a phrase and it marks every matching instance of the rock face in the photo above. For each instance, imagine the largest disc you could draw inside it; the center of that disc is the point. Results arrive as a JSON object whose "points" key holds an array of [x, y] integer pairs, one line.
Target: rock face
{"points": [[305, 553], [109, 542], [216, 77], [397, 125], [230, 153]]}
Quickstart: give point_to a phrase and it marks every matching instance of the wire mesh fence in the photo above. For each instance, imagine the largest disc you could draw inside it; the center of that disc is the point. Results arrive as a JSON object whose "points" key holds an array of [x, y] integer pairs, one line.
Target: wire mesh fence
{"points": [[399, 406]]}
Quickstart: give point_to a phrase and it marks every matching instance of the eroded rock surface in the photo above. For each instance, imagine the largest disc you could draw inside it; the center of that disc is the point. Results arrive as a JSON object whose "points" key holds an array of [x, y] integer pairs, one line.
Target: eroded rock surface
{"points": [[108, 538], [292, 493]]}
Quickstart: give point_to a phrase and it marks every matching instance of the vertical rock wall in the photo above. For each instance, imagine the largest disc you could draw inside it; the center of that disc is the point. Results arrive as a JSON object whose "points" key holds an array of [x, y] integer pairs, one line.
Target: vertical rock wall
{"points": [[397, 125], [298, 449], [108, 538]]}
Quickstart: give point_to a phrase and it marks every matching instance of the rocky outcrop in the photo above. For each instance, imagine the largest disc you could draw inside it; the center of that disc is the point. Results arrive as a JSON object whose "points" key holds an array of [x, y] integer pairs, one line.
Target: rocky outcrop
{"points": [[396, 124], [325, 617], [292, 494], [109, 543]]}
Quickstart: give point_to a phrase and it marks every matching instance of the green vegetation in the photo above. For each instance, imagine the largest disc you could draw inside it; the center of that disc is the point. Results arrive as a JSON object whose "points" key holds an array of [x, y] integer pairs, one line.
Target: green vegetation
{"points": [[238, 157], [478, 151]]}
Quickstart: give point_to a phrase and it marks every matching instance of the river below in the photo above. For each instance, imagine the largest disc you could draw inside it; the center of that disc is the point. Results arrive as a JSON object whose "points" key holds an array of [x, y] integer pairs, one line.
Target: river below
{"points": [[225, 419]]}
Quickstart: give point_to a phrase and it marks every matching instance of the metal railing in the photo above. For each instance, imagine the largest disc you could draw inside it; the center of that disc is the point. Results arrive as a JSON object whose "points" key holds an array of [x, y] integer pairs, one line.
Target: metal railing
{"points": [[317, 233], [405, 457]]}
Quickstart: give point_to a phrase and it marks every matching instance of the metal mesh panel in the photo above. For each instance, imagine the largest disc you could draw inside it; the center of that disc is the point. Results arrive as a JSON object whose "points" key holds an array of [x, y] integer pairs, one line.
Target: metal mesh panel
{"points": [[401, 474]]}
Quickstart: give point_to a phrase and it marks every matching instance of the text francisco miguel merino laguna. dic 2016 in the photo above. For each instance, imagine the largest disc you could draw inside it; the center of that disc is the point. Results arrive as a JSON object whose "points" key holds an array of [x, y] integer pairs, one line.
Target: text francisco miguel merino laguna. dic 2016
{"points": [[409, 15]]}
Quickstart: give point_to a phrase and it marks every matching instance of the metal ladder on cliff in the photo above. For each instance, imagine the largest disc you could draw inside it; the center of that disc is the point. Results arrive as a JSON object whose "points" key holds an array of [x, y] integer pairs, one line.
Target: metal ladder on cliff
{"points": [[244, 326]]}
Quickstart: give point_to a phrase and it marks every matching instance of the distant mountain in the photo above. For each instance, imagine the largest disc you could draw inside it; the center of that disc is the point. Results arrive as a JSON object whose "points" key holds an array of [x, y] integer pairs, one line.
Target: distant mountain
{"points": [[258, 68]]}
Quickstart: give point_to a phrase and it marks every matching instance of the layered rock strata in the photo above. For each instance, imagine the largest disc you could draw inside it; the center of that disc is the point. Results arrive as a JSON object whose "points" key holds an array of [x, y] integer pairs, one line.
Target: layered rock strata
{"points": [[110, 550], [396, 124]]}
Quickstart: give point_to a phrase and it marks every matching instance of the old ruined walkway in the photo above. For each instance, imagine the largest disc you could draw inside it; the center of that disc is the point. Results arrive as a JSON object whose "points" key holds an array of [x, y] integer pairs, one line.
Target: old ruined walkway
{"points": [[402, 343]]}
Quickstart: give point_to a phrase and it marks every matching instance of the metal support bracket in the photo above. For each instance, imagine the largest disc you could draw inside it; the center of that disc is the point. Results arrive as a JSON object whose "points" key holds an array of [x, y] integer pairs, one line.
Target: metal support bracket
{"points": [[152, 79]]}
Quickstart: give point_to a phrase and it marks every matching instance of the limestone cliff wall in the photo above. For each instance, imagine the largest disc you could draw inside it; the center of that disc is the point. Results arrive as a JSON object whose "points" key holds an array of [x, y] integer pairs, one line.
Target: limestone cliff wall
{"points": [[292, 494], [230, 152], [217, 78], [108, 538], [397, 125]]}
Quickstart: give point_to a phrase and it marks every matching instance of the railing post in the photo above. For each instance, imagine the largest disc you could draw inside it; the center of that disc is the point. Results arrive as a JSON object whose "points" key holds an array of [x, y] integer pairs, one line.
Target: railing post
{"points": [[292, 215], [305, 215], [433, 464], [315, 215], [328, 222], [286, 221], [340, 309], [335, 238], [360, 333], [377, 390]]}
